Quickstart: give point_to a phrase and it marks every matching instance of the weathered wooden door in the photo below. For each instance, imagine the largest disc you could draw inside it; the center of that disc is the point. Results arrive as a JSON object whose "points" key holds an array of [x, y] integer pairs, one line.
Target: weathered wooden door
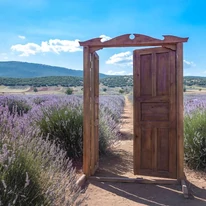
{"points": [[155, 136]]}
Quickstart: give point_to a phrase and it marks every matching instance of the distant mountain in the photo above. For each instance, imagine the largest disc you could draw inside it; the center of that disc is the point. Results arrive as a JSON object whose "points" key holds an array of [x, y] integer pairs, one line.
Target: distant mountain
{"points": [[17, 69]]}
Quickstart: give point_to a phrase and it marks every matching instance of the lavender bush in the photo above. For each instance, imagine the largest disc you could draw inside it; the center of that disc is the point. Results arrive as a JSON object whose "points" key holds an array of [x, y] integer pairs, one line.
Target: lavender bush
{"points": [[195, 131], [62, 119], [111, 108], [36, 140], [33, 171]]}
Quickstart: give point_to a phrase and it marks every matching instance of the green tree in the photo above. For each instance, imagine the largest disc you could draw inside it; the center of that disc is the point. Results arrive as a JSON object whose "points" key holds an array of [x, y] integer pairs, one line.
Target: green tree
{"points": [[121, 91], [69, 91]]}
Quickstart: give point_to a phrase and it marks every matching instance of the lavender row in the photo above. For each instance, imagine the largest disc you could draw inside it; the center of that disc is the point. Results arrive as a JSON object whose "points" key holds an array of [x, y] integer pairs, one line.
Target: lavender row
{"points": [[35, 170]]}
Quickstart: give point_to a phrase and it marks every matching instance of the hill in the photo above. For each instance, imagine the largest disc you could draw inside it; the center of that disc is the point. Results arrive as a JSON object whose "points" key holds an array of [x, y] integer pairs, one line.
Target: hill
{"points": [[17, 69]]}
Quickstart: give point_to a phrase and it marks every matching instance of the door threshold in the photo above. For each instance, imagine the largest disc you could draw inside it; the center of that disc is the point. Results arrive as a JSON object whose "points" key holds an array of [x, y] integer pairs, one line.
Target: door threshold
{"points": [[134, 180]]}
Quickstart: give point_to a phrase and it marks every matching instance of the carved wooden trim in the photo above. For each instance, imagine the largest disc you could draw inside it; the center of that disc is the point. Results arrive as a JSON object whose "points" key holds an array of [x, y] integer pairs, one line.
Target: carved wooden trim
{"points": [[138, 40]]}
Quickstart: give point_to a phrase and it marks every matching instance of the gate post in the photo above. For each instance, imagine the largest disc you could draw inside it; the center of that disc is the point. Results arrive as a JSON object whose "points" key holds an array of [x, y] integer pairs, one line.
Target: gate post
{"points": [[180, 108], [86, 113]]}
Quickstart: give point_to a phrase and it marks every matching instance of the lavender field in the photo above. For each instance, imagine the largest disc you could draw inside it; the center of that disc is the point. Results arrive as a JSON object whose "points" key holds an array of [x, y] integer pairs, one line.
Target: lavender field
{"points": [[40, 135]]}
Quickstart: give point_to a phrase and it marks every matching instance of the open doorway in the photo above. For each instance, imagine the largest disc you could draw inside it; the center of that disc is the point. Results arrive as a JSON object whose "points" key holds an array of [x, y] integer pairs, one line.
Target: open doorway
{"points": [[91, 67]]}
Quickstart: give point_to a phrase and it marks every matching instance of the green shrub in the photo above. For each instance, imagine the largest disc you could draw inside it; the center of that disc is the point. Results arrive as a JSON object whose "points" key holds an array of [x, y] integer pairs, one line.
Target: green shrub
{"points": [[184, 89], [35, 89], [34, 171], [69, 91], [17, 105], [65, 126], [195, 139], [21, 183], [121, 91]]}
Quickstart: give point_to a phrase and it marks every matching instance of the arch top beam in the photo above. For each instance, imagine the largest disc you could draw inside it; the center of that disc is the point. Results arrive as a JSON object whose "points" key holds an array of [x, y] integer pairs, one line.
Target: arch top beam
{"points": [[137, 40]]}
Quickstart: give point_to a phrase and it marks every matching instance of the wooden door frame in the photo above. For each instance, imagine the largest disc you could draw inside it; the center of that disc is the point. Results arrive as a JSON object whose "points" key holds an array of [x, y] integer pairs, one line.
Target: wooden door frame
{"points": [[139, 40]]}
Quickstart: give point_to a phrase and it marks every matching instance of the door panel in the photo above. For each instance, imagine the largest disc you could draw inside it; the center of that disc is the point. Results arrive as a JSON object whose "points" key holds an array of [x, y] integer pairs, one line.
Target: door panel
{"points": [[154, 112]]}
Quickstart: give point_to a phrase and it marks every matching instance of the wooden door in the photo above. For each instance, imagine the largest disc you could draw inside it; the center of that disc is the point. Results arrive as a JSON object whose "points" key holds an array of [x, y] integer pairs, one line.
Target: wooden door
{"points": [[155, 133]]}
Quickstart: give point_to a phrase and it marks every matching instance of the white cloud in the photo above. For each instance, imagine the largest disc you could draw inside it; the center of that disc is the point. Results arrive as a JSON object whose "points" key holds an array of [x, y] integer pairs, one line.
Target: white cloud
{"points": [[21, 37], [53, 45], [121, 59], [110, 72], [104, 38], [188, 64]]}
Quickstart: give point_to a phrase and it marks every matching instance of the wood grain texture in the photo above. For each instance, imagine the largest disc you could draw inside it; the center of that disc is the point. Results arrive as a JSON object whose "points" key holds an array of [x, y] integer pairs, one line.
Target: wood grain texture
{"points": [[180, 108], [136, 111], [96, 109], [134, 180], [126, 41], [155, 112], [94, 101], [92, 115], [87, 115]]}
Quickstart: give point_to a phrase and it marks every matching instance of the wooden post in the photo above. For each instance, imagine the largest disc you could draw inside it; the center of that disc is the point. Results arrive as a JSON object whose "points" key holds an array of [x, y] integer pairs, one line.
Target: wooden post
{"points": [[92, 113], [180, 108], [96, 118], [87, 117]]}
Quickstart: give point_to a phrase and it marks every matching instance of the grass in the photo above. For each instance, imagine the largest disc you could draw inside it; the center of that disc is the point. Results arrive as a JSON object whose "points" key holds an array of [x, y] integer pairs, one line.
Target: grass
{"points": [[195, 139]]}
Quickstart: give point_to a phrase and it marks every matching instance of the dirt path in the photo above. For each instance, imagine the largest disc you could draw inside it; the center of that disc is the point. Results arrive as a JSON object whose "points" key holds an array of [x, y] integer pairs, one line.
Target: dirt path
{"points": [[120, 163]]}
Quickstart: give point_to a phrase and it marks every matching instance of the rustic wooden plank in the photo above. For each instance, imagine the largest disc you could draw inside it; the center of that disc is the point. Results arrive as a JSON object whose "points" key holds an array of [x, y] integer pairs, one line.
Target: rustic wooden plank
{"points": [[87, 116], [163, 73], [96, 94], [134, 180], [173, 117], [163, 98], [92, 113], [154, 149], [159, 124], [136, 111], [146, 66], [154, 73], [170, 46], [180, 108], [163, 145], [138, 40], [146, 150]]}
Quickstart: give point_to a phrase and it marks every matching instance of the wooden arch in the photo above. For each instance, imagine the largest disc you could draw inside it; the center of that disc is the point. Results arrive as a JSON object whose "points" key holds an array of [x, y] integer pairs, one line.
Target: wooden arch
{"points": [[91, 92]]}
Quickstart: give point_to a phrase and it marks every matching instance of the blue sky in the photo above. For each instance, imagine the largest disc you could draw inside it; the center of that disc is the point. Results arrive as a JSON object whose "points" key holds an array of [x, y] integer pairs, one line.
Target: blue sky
{"points": [[48, 31]]}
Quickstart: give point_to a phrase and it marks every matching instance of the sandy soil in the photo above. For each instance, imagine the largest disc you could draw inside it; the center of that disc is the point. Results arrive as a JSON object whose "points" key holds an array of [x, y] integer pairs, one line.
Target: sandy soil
{"points": [[120, 163]]}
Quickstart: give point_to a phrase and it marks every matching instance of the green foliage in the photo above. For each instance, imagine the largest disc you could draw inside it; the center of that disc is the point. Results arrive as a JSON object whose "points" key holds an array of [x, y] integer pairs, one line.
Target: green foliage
{"points": [[195, 139], [23, 179], [34, 171], [118, 81], [35, 89], [43, 81], [69, 91], [17, 105], [121, 91], [184, 89], [194, 80], [64, 125]]}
